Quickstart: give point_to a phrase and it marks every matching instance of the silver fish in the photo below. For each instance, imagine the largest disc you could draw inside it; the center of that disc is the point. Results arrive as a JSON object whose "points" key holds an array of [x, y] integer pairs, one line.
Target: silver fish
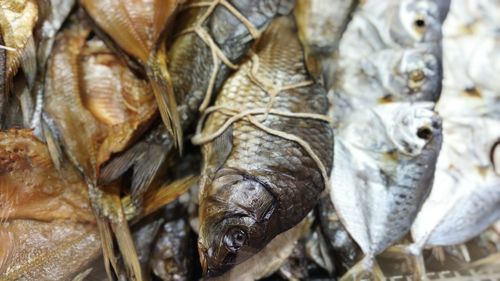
{"points": [[391, 51], [465, 199], [384, 158]]}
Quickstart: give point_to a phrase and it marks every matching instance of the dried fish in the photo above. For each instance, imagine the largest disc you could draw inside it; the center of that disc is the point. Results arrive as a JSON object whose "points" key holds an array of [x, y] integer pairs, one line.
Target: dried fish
{"points": [[267, 151], [138, 29], [385, 159], [392, 51], [198, 67], [465, 199], [45, 218], [17, 21], [321, 24]]}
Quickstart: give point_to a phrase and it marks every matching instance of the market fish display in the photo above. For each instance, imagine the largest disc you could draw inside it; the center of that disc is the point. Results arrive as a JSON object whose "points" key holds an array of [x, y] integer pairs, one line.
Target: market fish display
{"points": [[390, 51], [385, 159], [266, 152], [198, 69], [47, 228], [321, 24]]}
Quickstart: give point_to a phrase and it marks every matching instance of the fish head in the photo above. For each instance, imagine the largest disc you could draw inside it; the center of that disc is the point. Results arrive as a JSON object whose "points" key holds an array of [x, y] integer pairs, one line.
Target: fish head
{"points": [[236, 221], [413, 126], [421, 20], [422, 72]]}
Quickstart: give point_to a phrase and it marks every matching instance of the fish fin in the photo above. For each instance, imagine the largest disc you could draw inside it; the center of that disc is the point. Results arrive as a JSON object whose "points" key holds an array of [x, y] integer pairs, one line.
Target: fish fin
{"points": [[220, 148], [82, 275], [157, 198], [122, 163], [111, 221], [164, 92], [146, 170], [7, 248], [53, 146], [28, 61]]}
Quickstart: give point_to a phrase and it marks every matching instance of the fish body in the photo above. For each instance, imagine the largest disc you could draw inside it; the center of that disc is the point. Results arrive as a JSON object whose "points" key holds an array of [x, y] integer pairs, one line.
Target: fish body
{"points": [[191, 64], [47, 228], [321, 24], [385, 160], [465, 199], [256, 184], [471, 59], [389, 52]]}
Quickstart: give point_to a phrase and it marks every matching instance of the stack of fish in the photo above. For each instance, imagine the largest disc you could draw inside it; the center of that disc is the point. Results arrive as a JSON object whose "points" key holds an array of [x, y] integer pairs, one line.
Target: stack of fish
{"points": [[240, 139]]}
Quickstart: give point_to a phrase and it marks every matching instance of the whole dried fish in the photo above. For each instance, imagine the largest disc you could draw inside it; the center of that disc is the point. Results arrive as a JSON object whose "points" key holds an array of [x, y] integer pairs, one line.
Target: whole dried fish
{"points": [[385, 159], [47, 228], [465, 199], [321, 24], [392, 51], [267, 149], [197, 71], [138, 29]]}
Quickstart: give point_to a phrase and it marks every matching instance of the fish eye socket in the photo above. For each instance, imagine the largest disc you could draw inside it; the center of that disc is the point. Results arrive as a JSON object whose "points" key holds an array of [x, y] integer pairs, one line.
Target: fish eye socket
{"points": [[419, 23], [234, 239], [424, 133]]}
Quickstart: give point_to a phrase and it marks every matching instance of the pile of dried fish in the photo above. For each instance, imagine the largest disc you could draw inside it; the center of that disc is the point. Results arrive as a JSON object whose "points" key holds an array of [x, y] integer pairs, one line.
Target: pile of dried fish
{"points": [[248, 140]]}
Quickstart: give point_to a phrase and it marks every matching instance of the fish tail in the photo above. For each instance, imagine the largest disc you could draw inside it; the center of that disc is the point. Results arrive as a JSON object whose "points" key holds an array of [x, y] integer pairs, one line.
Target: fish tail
{"points": [[112, 223], [164, 93]]}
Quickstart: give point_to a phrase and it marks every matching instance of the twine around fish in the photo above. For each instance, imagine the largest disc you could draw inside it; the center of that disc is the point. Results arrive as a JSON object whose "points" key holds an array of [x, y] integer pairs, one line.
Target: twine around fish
{"points": [[217, 54], [249, 115]]}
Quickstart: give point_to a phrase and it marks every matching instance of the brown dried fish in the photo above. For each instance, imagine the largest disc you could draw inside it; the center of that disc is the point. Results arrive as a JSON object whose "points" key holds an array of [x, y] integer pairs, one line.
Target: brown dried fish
{"points": [[137, 29], [267, 149], [197, 71]]}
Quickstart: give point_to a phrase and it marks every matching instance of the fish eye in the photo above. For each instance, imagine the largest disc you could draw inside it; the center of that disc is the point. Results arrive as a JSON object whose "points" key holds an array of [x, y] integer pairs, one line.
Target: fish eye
{"points": [[424, 133], [420, 23], [234, 239]]}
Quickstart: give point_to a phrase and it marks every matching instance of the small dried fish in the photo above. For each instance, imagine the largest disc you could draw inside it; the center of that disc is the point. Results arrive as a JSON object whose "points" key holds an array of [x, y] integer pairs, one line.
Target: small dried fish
{"points": [[267, 149], [197, 71], [385, 159], [465, 199], [321, 24], [392, 51], [47, 228], [138, 29]]}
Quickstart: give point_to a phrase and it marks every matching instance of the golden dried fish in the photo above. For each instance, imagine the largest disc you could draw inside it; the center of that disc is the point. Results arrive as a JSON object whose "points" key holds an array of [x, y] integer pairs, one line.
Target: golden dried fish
{"points": [[47, 228], [385, 159], [138, 28], [96, 98], [17, 21], [321, 24], [197, 70], [267, 150]]}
